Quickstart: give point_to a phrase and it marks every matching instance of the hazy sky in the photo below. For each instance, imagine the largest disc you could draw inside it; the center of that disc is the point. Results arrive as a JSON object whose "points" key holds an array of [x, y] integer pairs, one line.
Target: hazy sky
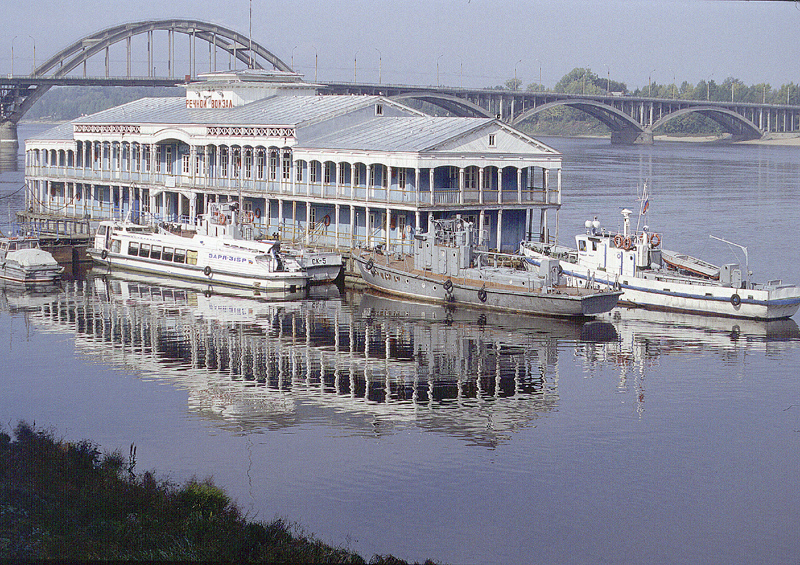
{"points": [[633, 39]]}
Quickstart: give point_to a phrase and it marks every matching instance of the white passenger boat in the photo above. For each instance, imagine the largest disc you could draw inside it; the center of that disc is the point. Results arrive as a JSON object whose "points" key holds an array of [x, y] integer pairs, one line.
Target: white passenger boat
{"points": [[23, 261], [212, 254], [445, 267], [652, 277]]}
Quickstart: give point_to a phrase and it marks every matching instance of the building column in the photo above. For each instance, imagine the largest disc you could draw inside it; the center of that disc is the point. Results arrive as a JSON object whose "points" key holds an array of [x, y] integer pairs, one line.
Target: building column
{"points": [[481, 227], [366, 196], [388, 227], [461, 185], [280, 218], [352, 226], [481, 175], [499, 185], [416, 189], [499, 229], [337, 227], [519, 185], [352, 183], [366, 224], [430, 180]]}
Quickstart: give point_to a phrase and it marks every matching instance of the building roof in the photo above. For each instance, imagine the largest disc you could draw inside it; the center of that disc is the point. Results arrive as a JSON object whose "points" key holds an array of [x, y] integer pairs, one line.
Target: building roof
{"points": [[388, 133], [275, 110]]}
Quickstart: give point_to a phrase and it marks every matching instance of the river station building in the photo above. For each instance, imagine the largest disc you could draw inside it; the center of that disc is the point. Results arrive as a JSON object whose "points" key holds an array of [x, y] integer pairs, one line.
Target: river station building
{"points": [[334, 171]]}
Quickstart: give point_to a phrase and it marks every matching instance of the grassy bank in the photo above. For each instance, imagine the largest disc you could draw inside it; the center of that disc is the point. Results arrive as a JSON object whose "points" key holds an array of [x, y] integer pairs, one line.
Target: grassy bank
{"points": [[68, 501]]}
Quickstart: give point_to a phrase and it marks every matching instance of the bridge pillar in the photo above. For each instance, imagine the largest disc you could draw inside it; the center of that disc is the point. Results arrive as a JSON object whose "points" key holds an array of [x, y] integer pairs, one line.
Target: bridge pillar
{"points": [[8, 136], [632, 137]]}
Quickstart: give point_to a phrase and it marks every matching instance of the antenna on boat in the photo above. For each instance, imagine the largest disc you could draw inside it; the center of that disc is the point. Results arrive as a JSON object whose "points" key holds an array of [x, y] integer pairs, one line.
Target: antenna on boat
{"points": [[743, 248], [644, 204]]}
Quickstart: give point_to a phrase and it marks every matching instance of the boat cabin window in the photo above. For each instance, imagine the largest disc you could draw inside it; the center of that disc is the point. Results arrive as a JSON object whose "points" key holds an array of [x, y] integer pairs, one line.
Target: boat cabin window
{"points": [[581, 245], [12, 245], [191, 257], [155, 252], [144, 250], [115, 245], [102, 230], [168, 253], [594, 246], [133, 248], [180, 256]]}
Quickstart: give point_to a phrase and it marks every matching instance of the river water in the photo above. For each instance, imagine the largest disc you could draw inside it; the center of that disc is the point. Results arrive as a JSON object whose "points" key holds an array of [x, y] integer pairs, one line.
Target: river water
{"points": [[391, 427]]}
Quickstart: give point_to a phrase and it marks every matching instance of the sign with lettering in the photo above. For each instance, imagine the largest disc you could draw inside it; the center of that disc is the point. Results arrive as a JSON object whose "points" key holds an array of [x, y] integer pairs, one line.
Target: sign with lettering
{"points": [[209, 99]]}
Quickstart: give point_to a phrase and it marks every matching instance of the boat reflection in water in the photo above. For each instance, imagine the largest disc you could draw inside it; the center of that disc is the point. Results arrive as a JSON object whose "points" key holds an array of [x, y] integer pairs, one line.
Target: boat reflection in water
{"points": [[359, 362]]}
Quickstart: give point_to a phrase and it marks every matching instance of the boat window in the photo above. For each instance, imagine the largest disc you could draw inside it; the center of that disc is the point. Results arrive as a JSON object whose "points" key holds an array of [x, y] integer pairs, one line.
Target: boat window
{"points": [[115, 245], [133, 248], [594, 246], [102, 230], [582, 245], [168, 253], [12, 246], [180, 256], [144, 250], [191, 257], [155, 252]]}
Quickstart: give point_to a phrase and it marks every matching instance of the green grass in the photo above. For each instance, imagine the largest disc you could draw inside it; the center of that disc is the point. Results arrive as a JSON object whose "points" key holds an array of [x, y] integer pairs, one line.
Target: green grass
{"points": [[68, 501]]}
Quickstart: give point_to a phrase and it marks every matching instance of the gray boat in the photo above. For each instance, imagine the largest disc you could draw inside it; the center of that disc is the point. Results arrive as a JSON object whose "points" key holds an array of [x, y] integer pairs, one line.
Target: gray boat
{"points": [[23, 261], [446, 267]]}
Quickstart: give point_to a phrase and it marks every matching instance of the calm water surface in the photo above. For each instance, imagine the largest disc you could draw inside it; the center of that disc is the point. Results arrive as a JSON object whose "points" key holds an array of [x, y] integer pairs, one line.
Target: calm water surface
{"points": [[392, 427]]}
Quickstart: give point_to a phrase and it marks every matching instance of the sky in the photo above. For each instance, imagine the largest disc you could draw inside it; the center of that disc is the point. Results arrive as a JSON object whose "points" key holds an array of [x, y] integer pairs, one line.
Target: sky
{"points": [[470, 43]]}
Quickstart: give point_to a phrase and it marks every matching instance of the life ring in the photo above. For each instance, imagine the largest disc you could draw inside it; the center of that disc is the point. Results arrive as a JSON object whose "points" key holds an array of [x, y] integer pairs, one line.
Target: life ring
{"points": [[618, 239], [655, 240], [326, 220], [736, 300], [104, 254], [482, 294], [221, 219], [78, 196], [258, 212], [249, 217], [370, 264], [207, 271], [448, 285], [627, 244]]}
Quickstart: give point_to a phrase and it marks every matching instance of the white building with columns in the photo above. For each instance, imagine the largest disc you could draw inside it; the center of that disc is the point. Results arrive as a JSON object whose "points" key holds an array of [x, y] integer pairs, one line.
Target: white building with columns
{"points": [[333, 171]]}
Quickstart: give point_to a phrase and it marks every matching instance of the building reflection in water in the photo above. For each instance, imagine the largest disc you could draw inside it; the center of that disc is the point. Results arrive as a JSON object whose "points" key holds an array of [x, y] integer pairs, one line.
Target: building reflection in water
{"points": [[363, 363]]}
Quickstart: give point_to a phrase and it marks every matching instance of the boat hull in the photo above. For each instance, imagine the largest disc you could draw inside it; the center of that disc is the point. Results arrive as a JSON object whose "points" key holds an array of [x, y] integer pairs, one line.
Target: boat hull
{"points": [[671, 294], [467, 292], [216, 274]]}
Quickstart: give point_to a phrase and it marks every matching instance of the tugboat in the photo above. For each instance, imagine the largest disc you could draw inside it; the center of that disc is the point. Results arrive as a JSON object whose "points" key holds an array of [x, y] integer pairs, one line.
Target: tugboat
{"points": [[652, 277], [23, 261], [446, 267]]}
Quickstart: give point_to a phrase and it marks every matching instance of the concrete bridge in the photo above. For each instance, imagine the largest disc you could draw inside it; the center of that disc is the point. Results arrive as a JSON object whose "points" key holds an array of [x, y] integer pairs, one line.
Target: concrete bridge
{"points": [[630, 119]]}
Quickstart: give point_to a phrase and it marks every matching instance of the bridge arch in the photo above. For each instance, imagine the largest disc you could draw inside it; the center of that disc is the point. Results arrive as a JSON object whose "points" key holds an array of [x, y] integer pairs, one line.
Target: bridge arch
{"points": [[616, 120], [453, 104], [733, 122], [238, 45]]}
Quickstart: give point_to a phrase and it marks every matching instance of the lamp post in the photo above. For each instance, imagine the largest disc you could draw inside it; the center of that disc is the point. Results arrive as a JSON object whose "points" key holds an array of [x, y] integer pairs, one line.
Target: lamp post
{"points": [[380, 64], [12, 54], [516, 87], [540, 73], [293, 48], [608, 80], [650, 84], [437, 68], [315, 63], [674, 80], [355, 59]]}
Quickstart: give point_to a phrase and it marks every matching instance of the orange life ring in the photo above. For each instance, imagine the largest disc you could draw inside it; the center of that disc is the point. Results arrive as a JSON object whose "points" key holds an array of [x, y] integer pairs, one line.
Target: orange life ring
{"points": [[618, 240], [78, 196], [655, 240], [326, 220], [258, 212], [221, 219], [249, 217], [627, 244]]}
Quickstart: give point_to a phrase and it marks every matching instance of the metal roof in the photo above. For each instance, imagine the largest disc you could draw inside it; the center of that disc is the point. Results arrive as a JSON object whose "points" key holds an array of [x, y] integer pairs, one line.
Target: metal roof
{"points": [[390, 133], [275, 110]]}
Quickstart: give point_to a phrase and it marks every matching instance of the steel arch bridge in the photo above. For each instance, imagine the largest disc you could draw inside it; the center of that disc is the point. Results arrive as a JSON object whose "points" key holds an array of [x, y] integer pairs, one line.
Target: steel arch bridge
{"points": [[18, 94]]}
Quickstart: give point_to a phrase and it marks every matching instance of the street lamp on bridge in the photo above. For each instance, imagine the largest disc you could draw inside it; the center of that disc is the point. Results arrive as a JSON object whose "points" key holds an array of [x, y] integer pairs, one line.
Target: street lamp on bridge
{"points": [[650, 84], [380, 64], [608, 79], [516, 85], [293, 48], [34, 54], [12, 54], [355, 59], [540, 74], [437, 68]]}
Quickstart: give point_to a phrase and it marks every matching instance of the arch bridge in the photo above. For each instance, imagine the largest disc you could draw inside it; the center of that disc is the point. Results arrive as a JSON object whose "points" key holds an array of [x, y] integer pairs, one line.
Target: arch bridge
{"points": [[19, 93], [631, 119]]}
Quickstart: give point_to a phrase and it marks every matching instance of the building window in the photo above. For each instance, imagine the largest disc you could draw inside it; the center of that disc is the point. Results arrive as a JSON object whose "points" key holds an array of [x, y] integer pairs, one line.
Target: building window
{"points": [[287, 165], [199, 166], [492, 140], [248, 163], [379, 109], [158, 159], [313, 171], [186, 165], [342, 174], [356, 174], [169, 159], [146, 160], [401, 179], [299, 167], [372, 175], [236, 162], [273, 165], [260, 164], [223, 164], [327, 173], [469, 178]]}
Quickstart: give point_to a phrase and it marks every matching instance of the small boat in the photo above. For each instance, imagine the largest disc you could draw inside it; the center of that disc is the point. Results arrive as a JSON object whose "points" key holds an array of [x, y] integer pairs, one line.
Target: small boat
{"points": [[23, 261], [652, 277], [212, 255], [445, 267]]}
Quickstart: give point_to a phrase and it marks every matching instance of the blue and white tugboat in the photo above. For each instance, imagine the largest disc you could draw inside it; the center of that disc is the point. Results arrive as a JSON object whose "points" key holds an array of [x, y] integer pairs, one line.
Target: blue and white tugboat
{"points": [[446, 267]]}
